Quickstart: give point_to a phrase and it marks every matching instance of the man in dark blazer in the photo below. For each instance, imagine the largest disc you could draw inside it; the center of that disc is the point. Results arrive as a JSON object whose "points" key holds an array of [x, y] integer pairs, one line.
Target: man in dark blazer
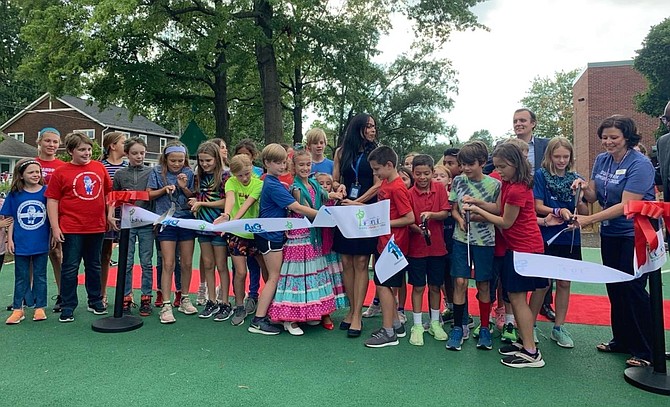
{"points": [[524, 122]]}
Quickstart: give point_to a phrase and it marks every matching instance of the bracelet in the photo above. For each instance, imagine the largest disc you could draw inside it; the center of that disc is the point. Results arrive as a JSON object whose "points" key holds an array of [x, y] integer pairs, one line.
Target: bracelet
{"points": [[545, 222], [557, 211]]}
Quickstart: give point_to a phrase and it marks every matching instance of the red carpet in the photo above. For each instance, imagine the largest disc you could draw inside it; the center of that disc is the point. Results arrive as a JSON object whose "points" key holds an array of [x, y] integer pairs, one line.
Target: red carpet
{"points": [[584, 309]]}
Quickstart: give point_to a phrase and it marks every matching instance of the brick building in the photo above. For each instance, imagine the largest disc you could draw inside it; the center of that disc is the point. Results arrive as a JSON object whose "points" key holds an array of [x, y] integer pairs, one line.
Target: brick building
{"points": [[604, 89], [69, 113]]}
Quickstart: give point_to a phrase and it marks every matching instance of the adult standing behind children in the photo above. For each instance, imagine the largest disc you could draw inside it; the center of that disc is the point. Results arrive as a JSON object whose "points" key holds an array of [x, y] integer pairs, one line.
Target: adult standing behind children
{"points": [[77, 212], [352, 169], [48, 141]]}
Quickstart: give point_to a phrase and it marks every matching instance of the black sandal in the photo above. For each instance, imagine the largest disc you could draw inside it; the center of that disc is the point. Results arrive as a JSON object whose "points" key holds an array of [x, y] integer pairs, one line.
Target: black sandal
{"points": [[607, 347], [637, 362]]}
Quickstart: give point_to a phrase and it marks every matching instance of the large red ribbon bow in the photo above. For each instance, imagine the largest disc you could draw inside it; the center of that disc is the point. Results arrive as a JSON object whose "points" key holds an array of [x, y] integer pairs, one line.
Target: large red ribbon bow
{"points": [[641, 212], [117, 198]]}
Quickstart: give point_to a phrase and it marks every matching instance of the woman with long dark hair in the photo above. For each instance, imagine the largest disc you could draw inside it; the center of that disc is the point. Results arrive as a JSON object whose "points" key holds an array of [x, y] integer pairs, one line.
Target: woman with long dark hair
{"points": [[351, 169]]}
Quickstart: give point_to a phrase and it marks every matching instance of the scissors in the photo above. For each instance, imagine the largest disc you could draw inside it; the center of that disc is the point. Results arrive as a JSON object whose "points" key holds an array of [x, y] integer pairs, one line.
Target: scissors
{"points": [[167, 213], [572, 220]]}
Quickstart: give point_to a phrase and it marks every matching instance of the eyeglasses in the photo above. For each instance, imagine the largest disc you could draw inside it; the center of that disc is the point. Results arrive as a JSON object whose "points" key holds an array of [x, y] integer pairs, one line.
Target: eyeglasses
{"points": [[664, 119]]}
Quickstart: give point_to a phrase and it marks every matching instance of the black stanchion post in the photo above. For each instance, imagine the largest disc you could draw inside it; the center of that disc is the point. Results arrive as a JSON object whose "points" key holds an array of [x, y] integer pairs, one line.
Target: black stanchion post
{"points": [[119, 322], [655, 378]]}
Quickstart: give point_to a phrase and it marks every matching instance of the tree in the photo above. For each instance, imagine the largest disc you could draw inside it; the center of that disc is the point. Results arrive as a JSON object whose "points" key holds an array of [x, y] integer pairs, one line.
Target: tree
{"points": [[485, 137], [551, 100], [653, 61]]}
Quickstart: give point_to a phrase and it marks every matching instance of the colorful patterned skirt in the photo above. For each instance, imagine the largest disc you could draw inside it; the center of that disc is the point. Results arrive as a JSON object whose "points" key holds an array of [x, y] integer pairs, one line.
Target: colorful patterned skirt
{"points": [[335, 271], [304, 291]]}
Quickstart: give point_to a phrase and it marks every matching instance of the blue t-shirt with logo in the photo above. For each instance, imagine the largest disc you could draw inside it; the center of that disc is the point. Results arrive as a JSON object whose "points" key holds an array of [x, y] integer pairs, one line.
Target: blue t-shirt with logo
{"points": [[325, 167], [551, 199], [31, 227], [634, 174], [275, 200]]}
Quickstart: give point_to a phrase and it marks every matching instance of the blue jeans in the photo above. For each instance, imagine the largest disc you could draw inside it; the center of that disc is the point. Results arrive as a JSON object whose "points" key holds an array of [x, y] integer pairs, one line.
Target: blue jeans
{"points": [[75, 248], [159, 267], [145, 236], [37, 294]]}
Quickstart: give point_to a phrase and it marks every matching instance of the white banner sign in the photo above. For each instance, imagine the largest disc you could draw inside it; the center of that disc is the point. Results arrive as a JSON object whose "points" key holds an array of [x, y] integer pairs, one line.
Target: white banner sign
{"points": [[560, 268], [390, 262], [655, 259], [357, 221]]}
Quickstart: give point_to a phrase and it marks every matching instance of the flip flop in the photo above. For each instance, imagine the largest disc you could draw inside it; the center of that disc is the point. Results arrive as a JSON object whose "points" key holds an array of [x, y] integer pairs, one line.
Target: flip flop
{"points": [[637, 362], [606, 347]]}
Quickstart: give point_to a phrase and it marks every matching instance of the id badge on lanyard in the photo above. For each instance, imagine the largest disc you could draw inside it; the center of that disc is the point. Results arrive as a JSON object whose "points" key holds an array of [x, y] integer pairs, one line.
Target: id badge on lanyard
{"points": [[356, 187], [355, 190]]}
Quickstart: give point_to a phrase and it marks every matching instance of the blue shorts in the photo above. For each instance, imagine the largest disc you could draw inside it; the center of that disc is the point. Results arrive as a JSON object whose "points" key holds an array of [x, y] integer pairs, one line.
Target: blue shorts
{"points": [[482, 258], [175, 234], [513, 282], [266, 246], [214, 240], [426, 269]]}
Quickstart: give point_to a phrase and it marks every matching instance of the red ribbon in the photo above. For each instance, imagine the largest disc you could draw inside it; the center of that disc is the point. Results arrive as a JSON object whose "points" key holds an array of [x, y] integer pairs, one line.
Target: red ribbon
{"points": [[117, 198], [641, 212]]}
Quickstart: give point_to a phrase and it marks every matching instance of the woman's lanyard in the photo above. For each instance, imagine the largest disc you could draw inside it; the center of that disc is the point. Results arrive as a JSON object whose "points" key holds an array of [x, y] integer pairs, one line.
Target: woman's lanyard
{"points": [[607, 177], [355, 189]]}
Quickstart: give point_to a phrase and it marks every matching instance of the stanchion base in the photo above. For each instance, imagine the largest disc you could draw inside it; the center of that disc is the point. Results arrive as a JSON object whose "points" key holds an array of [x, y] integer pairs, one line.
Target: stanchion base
{"points": [[646, 379], [114, 325]]}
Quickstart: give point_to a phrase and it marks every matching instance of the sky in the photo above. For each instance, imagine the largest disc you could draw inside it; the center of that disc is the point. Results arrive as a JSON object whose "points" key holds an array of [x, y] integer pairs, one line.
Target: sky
{"points": [[527, 39]]}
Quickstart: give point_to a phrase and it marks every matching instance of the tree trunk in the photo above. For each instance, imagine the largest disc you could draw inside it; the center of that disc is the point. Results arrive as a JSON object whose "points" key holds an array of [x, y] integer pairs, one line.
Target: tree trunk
{"points": [[221, 115], [297, 107], [267, 68]]}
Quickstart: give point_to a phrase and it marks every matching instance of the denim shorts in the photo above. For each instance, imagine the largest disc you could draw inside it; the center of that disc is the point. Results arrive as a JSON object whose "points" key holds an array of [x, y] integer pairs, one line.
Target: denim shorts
{"points": [[513, 282], [266, 246], [175, 234], [482, 258], [430, 269], [214, 240]]}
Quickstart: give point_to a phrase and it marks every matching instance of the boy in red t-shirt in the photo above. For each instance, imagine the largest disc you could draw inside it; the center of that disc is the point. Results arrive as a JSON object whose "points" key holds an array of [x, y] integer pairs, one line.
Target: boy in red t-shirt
{"points": [[383, 161], [427, 250], [77, 213]]}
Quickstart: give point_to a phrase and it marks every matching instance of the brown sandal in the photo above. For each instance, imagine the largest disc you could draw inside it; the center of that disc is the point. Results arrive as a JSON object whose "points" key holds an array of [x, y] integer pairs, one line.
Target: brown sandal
{"points": [[637, 362]]}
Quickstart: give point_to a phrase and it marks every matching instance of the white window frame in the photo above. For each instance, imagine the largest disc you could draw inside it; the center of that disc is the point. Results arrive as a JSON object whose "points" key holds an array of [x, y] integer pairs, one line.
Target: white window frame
{"points": [[89, 132], [19, 135], [162, 142], [143, 137]]}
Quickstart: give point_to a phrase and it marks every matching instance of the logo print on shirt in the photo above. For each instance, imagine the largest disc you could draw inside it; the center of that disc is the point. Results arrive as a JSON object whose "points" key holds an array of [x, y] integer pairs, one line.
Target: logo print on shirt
{"points": [[31, 214], [87, 186]]}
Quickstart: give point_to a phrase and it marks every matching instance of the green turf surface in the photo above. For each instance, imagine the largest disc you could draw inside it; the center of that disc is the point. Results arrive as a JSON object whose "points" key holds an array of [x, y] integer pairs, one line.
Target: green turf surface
{"points": [[198, 362]]}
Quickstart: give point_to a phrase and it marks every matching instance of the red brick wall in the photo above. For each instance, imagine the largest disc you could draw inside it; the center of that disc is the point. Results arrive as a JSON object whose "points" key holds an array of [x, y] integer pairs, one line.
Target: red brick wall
{"points": [[606, 90]]}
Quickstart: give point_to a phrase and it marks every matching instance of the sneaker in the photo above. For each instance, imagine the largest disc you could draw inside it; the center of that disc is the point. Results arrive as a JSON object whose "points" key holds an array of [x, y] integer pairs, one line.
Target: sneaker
{"points": [[166, 315], [475, 332], [500, 318], [263, 326], [177, 299], [416, 335], [372, 311], [201, 299], [145, 306], [113, 263], [437, 331], [238, 316], [185, 305], [401, 332], [97, 309], [159, 299], [58, 304], [509, 350], [16, 317], [250, 305], [380, 339], [562, 337], [447, 315], [535, 336], [402, 317], [224, 312], [455, 339], [471, 322], [509, 334], [210, 309], [548, 312], [485, 341], [39, 315], [219, 297], [127, 303], [10, 307], [66, 316], [523, 359], [466, 332]]}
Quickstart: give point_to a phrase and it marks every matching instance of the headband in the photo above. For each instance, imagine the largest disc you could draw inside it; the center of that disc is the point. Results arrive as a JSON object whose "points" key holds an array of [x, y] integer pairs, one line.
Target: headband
{"points": [[25, 165], [174, 149], [49, 130]]}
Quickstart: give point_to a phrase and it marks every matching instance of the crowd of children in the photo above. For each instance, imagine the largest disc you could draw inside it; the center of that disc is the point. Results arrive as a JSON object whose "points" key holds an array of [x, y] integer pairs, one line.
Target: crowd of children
{"points": [[454, 223]]}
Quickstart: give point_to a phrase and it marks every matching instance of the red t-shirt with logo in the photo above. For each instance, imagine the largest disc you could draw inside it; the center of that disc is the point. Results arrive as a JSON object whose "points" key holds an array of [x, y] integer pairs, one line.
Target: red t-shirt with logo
{"points": [[501, 246], [433, 200], [80, 191], [401, 205], [48, 168], [524, 236]]}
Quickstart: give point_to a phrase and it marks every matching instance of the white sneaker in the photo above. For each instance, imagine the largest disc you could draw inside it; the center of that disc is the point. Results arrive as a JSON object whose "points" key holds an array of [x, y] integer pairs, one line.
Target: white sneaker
{"points": [[186, 306], [372, 311], [166, 315]]}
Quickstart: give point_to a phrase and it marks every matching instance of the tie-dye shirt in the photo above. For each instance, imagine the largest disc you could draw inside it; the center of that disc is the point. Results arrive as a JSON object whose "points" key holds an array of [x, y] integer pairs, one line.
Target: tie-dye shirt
{"points": [[488, 190]]}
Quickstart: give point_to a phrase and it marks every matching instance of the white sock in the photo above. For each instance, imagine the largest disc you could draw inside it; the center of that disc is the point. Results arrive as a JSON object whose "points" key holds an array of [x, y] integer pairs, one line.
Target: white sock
{"points": [[509, 319], [417, 317], [434, 315]]}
